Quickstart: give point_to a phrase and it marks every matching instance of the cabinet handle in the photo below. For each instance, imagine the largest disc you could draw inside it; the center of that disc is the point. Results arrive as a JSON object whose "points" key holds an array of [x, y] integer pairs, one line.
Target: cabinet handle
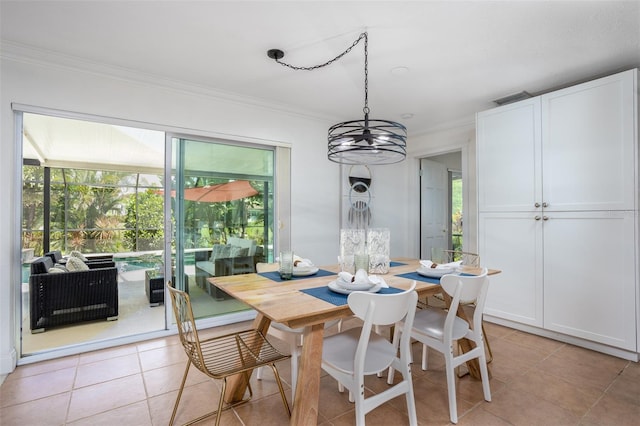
{"points": [[537, 204], [545, 205], [545, 217], [537, 218]]}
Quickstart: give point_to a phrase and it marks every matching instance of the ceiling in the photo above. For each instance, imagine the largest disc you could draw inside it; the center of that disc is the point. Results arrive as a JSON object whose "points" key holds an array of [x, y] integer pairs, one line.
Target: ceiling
{"points": [[432, 64]]}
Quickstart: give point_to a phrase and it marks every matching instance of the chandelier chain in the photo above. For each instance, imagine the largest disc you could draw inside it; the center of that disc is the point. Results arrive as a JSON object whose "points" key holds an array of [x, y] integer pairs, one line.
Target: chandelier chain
{"points": [[330, 61]]}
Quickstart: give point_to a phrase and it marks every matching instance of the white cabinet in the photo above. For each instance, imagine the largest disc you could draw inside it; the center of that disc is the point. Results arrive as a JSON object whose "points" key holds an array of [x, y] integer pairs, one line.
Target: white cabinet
{"points": [[589, 276], [557, 199], [589, 145], [508, 152], [512, 242]]}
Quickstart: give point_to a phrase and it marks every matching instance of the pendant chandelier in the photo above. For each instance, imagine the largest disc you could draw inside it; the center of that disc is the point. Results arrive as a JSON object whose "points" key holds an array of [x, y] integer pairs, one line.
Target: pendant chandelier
{"points": [[366, 141]]}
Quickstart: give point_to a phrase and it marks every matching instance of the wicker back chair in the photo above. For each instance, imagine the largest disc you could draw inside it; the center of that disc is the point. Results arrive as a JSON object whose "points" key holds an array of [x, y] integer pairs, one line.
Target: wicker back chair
{"points": [[221, 356]]}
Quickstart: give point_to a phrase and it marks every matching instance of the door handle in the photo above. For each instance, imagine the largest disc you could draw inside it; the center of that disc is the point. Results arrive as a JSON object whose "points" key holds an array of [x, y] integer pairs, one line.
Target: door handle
{"points": [[537, 218], [545, 217]]}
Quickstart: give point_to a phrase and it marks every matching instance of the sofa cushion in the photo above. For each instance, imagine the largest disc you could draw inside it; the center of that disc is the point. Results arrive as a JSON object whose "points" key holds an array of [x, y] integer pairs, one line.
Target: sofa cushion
{"points": [[237, 251], [56, 270], [243, 242], [56, 256], [41, 265], [75, 264], [79, 255]]}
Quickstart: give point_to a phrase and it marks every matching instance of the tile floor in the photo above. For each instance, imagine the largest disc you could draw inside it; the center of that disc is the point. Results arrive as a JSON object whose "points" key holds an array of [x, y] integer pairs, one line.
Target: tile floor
{"points": [[535, 381]]}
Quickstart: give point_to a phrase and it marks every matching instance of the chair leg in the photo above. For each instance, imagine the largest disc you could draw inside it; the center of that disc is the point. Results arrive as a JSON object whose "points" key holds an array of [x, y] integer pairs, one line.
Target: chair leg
{"points": [[451, 387], [281, 389], [410, 397], [184, 379], [484, 374], [360, 413], [425, 357], [486, 343], [396, 344], [221, 401], [294, 371]]}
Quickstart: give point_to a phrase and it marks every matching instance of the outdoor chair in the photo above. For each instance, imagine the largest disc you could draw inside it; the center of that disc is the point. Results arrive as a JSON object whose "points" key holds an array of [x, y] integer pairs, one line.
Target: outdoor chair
{"points": [[351, 355], [58, 297], [439, 329], [222, 356]]}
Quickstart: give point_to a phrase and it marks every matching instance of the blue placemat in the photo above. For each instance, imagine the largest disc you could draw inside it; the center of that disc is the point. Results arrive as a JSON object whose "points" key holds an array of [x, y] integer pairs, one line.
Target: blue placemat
{"points": [[339, 299], [392, 264], [416, 276], [275, 275]]}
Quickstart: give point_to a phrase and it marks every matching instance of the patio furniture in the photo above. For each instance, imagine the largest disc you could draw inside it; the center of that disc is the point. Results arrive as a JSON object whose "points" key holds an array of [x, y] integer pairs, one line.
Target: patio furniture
{"points": [[98, 261], [154, 286], [238, 256], [222, 356], [58, 297]]}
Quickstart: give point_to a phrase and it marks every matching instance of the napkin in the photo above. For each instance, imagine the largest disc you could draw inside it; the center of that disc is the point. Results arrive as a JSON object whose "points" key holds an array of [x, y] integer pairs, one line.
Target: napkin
{"points": [[378, 281], [302, 263], [450, 265], [362, 279]]}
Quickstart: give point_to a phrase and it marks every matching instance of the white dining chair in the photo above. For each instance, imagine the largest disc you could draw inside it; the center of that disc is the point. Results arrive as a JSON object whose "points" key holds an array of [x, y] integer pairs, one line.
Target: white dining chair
{"points": [[292, 336], [440, 330], [351, 355]]}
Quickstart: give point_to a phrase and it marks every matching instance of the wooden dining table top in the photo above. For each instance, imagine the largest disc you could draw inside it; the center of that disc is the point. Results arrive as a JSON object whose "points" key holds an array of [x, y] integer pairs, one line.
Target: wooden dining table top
{"points": [[283, 302]]}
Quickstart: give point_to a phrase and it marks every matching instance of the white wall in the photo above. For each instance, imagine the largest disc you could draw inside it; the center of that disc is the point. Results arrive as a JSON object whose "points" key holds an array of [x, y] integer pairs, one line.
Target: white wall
{"points": [[315, 180]]}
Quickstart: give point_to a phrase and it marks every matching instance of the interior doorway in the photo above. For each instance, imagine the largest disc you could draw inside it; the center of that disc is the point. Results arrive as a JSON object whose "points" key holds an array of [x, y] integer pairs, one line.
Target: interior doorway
{"points": [[441, 203]]}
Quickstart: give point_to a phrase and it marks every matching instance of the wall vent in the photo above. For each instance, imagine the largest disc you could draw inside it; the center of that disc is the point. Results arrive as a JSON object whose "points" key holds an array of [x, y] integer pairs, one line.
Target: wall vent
{"points": [[513, 98]]}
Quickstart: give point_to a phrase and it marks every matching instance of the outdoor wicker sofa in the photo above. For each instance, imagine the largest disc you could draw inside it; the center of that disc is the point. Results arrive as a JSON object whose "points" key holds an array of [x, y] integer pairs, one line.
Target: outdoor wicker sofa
{"points": [[69, 297]]}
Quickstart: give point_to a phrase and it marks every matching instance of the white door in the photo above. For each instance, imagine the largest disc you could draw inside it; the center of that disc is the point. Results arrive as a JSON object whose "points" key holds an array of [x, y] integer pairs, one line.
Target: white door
{"points": [[512, 243], [509, 157], [589, 276], [588, 145], [433, 207]]}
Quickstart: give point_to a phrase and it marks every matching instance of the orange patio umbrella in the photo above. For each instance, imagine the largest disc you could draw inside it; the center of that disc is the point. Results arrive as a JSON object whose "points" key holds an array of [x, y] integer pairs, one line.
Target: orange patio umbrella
{"points": [[221, 192]]}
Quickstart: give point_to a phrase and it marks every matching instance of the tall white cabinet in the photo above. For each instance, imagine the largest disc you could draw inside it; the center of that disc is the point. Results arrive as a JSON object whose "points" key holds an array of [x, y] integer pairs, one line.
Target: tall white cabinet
{"points": [[558, 211]]}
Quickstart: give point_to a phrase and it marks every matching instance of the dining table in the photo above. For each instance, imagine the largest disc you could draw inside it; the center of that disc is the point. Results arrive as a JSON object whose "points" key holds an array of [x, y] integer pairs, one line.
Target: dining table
{"points": [[306, 301]]}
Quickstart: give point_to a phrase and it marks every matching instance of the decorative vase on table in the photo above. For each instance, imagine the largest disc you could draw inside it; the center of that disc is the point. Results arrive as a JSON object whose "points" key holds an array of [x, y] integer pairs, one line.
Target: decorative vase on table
{"points": [[378, 247], [352, 241]]}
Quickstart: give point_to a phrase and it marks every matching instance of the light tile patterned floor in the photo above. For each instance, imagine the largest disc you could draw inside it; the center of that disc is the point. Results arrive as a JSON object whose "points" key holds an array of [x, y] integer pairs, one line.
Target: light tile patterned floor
{"points": [[535, 381]]}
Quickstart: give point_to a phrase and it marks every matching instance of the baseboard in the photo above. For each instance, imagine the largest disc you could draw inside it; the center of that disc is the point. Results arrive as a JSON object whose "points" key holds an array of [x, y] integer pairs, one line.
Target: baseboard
{"points": [[8, 362], [587, 344]]}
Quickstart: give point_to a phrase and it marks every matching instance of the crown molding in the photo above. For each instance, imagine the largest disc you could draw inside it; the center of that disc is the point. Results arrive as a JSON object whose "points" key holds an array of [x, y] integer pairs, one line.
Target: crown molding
{"points": [[19, 52]]}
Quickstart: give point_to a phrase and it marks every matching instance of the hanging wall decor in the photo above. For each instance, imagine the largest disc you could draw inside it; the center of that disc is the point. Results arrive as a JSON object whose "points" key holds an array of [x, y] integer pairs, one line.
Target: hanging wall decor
{"points": [[359, 197]]}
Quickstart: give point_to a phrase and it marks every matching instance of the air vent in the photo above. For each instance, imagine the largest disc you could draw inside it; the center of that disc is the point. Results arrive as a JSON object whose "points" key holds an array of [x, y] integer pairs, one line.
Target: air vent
{"points": [[513, 98]]}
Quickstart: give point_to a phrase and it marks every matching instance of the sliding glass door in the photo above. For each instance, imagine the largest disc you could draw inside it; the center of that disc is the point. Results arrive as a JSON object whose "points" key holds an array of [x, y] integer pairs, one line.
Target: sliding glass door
{"points": [[139, 206], [222, 204]]}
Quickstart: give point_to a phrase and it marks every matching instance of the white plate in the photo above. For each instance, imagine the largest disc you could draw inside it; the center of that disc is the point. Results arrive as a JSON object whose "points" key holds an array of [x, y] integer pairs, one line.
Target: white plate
{"points": [[305, 271], [334, 286], [435, 272]]}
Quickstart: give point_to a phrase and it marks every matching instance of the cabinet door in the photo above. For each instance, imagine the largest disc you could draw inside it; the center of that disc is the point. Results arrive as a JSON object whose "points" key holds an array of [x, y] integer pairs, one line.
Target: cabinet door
{"points": [[589, 276], [508, 157], [512, 242], [588, 145]]}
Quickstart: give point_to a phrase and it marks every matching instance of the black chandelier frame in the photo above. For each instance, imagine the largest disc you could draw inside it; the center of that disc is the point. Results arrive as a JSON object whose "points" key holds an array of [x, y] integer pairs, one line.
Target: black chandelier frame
{"points": [[367, 141]]}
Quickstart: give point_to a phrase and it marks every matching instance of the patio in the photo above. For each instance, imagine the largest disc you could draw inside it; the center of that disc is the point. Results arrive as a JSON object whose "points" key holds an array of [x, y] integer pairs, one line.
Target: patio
{"points": [[135, 315]]}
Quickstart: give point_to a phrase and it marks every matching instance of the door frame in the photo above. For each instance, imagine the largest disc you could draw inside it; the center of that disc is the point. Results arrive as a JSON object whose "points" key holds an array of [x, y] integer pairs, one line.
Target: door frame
{"points": [[466, 146]]}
